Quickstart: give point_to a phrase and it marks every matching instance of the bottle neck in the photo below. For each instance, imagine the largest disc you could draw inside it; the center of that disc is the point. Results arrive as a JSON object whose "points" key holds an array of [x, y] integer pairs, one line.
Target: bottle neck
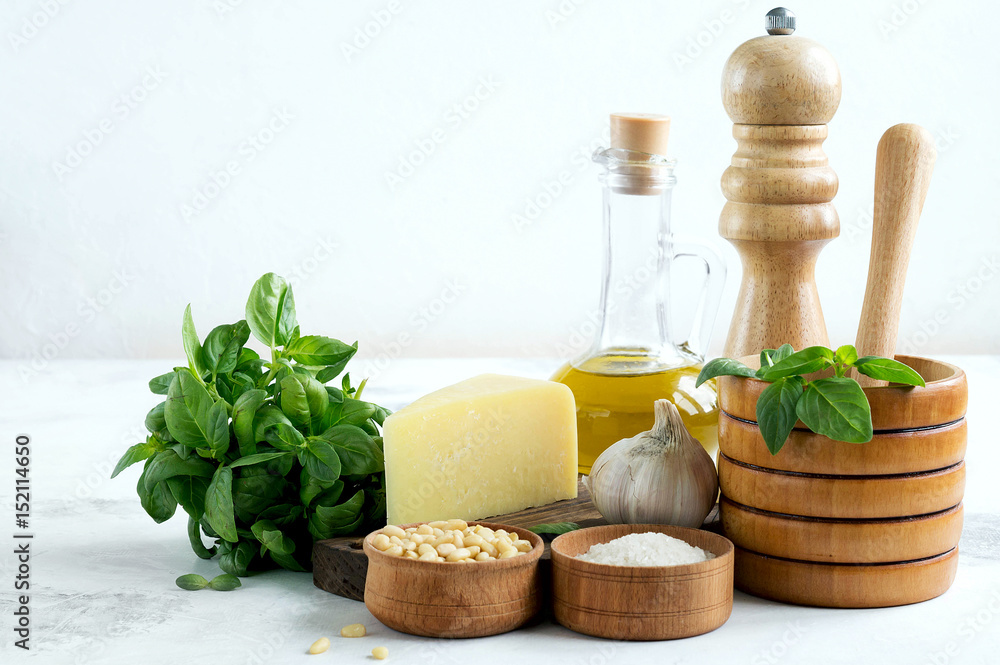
{"points": [[635, 332]]}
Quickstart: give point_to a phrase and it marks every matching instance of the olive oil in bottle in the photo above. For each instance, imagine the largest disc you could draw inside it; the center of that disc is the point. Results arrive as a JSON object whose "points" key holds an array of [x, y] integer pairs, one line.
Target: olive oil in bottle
{"points": [[611, 407], [634, 361]]}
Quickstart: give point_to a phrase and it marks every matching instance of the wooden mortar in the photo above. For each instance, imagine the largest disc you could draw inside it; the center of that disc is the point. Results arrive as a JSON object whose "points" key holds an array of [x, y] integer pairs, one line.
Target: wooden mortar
{"points": [[838, 524]]}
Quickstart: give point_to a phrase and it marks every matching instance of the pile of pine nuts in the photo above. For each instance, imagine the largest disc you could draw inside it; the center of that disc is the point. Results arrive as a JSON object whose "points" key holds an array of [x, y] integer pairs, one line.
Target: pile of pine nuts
{"points": [[450, 541]]}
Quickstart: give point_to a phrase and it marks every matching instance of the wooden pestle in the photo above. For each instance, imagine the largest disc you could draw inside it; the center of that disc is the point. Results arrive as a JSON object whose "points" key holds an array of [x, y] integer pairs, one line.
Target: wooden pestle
{"points": [[903, 166]]}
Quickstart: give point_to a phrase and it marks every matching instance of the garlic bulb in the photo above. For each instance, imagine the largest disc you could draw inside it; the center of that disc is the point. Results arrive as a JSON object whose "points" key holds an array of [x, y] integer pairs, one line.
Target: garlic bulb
{"points": [[663, 476]]}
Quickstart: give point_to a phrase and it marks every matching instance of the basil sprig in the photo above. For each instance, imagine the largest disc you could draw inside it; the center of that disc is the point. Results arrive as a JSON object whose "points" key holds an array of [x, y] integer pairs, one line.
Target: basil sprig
{"points": [[262, 455], [835, 406]]}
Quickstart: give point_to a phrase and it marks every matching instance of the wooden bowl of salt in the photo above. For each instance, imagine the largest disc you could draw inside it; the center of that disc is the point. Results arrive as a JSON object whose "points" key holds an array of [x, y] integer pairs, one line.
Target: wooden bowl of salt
{"points": [[641, 602]]}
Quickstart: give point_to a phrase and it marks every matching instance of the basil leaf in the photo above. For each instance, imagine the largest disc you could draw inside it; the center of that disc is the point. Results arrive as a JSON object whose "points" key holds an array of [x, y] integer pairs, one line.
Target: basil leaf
{"points": [[237, 560], [320, 459], [256, 459], [557, 528], [156, 422], [217, 429], [357, 451], [192, 347], [157, 501], [242, 384], [837, 408], [768, 357], [254, 494], [271, 537], [723, 367], [219, 504], [270, 310], [189, 492], [186, 410], [776, 416], [136, 453], [222, 347], [782, 352], [287, 562], [345, 518], [268, 416], [225, 582], [333, 371], [167, 464], [885, 369], [159, 385], [316, 396], [316, 350], [191, 582], [310, 487], [284, 437], [846, 355], [194, 537], [294, 403], [807, 360], [244, 410], [282, 514]]}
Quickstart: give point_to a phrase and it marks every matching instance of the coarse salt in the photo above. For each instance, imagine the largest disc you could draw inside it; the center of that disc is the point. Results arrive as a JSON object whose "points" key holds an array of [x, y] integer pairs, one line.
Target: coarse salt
{"points": [[645, 549]]}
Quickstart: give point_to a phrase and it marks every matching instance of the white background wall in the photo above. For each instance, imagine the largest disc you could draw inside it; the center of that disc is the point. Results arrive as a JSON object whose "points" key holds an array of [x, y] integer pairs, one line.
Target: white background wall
{"points": [[116, 115]]}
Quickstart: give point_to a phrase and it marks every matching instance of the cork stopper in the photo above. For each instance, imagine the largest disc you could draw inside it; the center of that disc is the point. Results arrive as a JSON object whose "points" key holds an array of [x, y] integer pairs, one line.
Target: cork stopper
{"points": [[642, 132], [781, 78]]}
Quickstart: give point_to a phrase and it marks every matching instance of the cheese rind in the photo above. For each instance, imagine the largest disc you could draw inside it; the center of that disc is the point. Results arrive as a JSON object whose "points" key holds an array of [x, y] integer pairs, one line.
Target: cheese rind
{"points": [[487, 446]]}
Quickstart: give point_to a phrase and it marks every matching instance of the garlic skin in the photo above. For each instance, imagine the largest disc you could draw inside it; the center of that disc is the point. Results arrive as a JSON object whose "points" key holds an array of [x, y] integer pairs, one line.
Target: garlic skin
{"points": [[662, 476]]}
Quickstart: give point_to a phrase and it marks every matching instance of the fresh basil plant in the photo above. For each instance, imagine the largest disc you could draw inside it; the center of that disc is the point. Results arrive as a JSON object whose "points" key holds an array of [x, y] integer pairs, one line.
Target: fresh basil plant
{"points": [[834, 406], [262, 455]]}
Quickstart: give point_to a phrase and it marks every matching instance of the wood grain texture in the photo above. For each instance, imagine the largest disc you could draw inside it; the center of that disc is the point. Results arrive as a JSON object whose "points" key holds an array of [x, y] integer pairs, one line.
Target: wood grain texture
{"points": [[848, 497], [944, 399], [641, 603], [340, 565], [779, 216], [844, 585], [780, 91], [841, 541], [893, 452], [440, 599], [903, 166], [781, 80]]}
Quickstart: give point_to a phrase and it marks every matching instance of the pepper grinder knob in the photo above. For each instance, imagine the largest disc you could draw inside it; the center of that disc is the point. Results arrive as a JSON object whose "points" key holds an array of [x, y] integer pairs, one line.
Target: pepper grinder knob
{"points": [[780, 21]]}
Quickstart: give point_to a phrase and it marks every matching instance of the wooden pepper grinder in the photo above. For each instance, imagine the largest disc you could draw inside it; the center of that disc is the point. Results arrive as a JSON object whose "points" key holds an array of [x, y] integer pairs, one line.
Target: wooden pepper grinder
{"points": [[780, 90]]}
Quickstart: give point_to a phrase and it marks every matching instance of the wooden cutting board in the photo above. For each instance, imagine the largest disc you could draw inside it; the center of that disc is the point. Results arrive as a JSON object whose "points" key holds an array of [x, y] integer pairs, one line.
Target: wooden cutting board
{"points": [[340, 565]]}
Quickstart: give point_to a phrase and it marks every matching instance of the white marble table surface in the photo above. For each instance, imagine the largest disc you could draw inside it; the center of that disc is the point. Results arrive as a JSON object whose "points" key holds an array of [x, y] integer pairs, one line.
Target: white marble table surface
{"points": [[103, 573]]}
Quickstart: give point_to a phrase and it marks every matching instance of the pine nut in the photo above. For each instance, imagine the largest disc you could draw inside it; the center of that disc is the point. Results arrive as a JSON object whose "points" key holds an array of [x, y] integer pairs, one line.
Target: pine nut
{"points": [[354, 630], [380, 653], [393, 530], [454, 541], [320, 645]]}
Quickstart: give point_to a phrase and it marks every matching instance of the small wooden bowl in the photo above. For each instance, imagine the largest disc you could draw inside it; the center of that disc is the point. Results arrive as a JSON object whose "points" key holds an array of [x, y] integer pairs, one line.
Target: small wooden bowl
{"points": [[641, 602], [841, 541], [441, 599]]}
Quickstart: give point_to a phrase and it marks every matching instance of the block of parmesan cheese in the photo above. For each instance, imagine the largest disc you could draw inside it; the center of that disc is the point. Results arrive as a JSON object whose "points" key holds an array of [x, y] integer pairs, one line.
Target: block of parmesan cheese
{"points": [[487, 446]]}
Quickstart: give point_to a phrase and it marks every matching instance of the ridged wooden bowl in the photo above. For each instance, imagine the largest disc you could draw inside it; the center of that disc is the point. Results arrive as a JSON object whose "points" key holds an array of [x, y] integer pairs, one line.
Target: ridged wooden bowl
{"points": [[641, 602], [846, 585], [839, 540], [848, 525], [862, 497], [442, 599]]}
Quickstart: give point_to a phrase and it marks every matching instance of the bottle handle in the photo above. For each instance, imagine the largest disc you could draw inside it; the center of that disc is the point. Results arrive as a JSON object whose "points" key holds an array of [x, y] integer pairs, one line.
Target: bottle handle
{"points": [[711, 291]]}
